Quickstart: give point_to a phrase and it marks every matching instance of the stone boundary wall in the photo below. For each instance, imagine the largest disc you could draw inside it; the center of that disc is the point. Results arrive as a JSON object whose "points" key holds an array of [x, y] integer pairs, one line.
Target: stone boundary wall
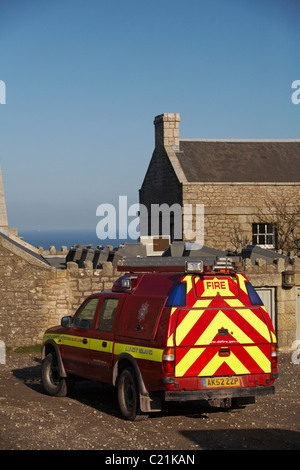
{"points": [[34, 296]]}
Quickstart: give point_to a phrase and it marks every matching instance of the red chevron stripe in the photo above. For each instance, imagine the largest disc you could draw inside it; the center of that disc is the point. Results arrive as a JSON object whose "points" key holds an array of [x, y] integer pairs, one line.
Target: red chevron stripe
{"points": [[244, 325]]}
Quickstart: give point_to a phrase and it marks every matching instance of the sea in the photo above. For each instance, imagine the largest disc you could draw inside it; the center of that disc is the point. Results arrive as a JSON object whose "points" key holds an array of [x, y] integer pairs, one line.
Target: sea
{"points": [[68, 238]]}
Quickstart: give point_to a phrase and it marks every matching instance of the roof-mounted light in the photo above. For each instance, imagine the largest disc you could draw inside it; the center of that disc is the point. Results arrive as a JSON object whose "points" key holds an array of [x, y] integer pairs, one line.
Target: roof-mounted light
{"points": [[194, 266], [126, 283], [223, 264]]}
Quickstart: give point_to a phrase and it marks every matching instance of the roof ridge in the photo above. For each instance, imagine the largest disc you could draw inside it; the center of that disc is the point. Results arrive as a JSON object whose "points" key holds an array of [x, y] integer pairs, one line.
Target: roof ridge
{"points": [[240, 140]]}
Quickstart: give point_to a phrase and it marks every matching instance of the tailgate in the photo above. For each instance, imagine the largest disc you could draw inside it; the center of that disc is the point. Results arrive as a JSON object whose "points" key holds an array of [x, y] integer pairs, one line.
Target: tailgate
{"points": [[227, 341]]}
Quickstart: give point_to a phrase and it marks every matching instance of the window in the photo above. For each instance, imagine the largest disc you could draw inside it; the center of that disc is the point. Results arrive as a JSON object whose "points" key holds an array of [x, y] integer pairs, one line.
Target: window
{"points": [[263, 235], [84, 316], [107, 314]]}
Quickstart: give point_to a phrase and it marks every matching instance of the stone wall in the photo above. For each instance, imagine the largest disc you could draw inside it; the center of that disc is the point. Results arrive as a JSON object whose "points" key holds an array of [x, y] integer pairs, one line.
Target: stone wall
{"points": [[230, 205], [34, 296]]}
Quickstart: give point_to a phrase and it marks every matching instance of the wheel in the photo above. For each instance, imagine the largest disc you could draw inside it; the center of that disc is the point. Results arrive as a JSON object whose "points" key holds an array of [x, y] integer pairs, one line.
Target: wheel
{"points": [[128, 395], [53, 383]]}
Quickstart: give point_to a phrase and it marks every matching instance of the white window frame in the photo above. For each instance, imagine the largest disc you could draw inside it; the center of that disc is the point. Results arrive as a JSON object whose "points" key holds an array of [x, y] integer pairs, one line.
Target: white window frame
{"points": [[269, 231]]}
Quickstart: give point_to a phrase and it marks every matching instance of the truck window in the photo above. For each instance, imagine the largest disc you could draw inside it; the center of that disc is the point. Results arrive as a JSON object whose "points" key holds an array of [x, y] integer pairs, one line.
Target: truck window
{"points": [[107, 314], [84, 316]]}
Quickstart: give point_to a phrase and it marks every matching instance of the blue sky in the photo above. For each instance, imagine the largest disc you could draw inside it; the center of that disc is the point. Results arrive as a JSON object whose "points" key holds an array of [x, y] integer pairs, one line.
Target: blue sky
{"points": [[85, 78]]}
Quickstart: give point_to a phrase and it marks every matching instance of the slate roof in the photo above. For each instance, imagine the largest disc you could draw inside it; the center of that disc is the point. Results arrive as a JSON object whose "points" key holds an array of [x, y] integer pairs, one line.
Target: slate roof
{"points": [[240, 160]]}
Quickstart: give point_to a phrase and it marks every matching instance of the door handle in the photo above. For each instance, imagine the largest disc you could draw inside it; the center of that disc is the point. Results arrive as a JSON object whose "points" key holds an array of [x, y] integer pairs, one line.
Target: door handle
{"points": [[104, 344], [84, 341]]}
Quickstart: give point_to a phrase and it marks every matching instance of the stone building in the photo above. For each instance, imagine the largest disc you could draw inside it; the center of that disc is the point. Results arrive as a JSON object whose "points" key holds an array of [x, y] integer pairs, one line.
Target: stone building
{"points": [[237, 181]]}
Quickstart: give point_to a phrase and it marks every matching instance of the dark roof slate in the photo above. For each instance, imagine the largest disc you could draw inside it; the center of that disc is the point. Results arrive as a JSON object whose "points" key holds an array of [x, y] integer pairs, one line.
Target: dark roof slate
{"points": [[240, 161]]}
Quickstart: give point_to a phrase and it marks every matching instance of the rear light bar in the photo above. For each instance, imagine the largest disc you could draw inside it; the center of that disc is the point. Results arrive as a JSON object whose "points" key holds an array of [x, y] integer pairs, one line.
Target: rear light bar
{"points": [[177, 265]]}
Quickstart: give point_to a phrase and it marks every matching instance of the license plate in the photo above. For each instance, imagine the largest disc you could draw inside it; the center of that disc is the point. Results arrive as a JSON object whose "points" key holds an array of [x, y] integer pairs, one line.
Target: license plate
{"points": [[221, 382]]}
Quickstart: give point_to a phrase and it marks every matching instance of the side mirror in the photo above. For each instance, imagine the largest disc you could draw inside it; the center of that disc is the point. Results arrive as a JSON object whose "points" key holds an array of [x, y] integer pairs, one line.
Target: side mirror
{"points": [[66, 322]]}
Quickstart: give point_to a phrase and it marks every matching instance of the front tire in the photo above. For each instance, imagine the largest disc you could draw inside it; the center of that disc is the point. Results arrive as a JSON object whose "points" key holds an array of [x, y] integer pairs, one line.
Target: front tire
{"points": [[53, 383]]}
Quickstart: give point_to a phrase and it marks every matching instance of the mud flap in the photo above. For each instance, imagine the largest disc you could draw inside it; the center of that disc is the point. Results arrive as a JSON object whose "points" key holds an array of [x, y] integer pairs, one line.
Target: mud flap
{"points": [[150, 403]]}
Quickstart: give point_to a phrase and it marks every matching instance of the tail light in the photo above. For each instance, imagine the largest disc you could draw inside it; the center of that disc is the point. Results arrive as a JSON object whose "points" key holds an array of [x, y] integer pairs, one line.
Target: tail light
{"points": [[273, 356], [168, 360]]}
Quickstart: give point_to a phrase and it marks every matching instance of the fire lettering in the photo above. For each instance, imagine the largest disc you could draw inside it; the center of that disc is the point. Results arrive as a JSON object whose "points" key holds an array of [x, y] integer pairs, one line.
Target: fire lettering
{"points": [[215, 284]]}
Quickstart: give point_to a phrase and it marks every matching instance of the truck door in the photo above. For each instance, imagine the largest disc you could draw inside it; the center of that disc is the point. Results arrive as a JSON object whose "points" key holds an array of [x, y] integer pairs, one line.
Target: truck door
{"points": [[102, 337], [76, 339]]}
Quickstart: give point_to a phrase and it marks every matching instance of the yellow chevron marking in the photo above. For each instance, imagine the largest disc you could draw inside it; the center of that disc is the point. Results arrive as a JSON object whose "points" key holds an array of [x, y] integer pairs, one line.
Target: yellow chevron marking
{"points": [[189, 282], [191, 356], [187, 323], [170, 341], [173, 309], [222, 321], [273, 336], [234, 303], [251, 318], [201, 303], [232, 361], [242, 281], [259, 357]]}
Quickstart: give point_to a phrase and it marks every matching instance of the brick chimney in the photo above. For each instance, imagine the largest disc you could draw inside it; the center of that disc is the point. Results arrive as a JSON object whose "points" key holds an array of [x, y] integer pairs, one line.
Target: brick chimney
{"points": [[3, 213], [167, 130]]}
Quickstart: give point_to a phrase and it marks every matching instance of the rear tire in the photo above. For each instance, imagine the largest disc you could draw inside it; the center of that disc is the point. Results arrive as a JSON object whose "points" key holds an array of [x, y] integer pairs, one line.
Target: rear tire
{"points": [[53, 383], [128, 395]]}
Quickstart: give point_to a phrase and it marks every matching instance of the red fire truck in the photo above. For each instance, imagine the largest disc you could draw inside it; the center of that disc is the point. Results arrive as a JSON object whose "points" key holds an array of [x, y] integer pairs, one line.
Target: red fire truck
{"points": [[167, 333]]}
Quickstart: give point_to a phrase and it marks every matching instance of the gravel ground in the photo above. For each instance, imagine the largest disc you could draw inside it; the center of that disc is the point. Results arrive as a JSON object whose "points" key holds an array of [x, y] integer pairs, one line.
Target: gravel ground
{"points": [[90, 419]]}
